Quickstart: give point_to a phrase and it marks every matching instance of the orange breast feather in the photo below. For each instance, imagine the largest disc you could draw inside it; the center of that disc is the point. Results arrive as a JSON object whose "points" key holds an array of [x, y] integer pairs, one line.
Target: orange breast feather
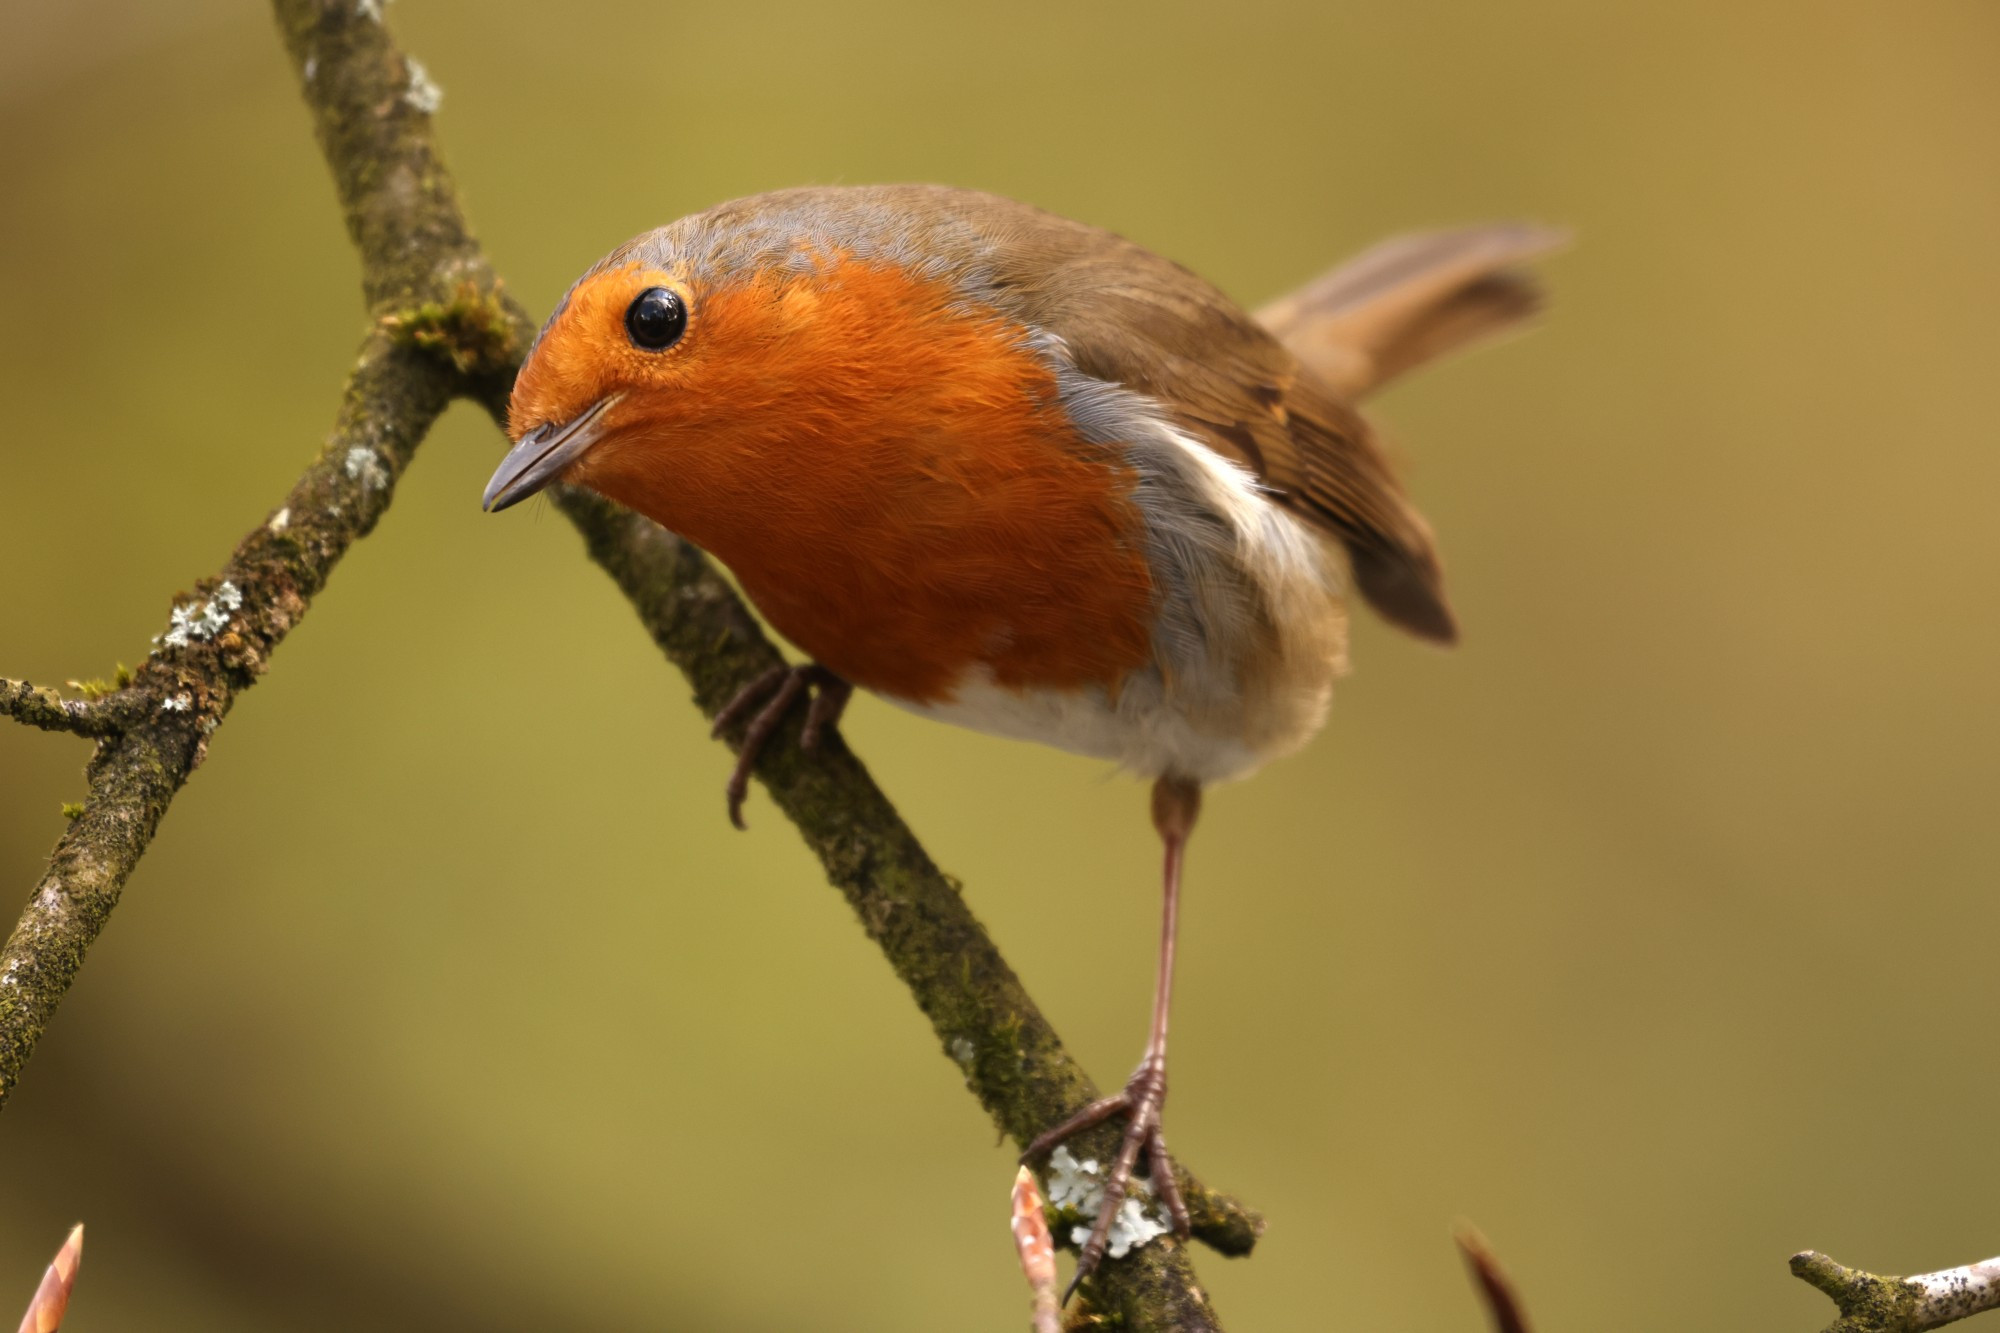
{"points": [[892, 478]]}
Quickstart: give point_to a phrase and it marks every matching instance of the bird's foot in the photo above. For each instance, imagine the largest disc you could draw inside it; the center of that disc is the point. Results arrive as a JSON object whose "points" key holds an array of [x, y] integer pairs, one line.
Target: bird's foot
{"points": [[777, 690], [1144, 1095]]}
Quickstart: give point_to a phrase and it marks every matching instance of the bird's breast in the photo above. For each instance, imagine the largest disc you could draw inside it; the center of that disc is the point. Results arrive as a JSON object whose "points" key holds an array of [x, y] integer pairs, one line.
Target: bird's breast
{"points": [[1030, 570], [894, 479]]}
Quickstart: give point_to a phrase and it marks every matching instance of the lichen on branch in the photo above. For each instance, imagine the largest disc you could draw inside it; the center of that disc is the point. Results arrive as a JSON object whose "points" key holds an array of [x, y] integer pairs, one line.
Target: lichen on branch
{"points": [[215, 644], [155, 730], [1871, 1303], [38, 706]]}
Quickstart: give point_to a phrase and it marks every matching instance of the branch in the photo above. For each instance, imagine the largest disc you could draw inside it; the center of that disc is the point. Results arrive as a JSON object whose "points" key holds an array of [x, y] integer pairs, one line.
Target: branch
{"points": [[423, 273], [1872, 1304], [218, 643], [38, 706]]}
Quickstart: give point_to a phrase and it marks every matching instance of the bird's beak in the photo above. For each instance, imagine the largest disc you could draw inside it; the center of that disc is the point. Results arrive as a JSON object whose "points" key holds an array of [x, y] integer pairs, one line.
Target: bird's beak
{"points": [[542, 454]]}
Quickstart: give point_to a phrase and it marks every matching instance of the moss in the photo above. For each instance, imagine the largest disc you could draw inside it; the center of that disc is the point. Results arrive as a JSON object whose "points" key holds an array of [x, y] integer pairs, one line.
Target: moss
{"points": [[1868, 1303], [72, 810], [93, 690], [1087, 1318], [475, 331]]}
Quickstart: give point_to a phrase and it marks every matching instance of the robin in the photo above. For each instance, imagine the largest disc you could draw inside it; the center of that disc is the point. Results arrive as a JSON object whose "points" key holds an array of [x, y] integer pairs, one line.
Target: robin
{"points": [[1017, 473]]}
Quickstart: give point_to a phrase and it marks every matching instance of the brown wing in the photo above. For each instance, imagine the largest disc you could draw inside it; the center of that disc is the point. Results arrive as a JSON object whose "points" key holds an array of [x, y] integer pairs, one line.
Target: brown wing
{"points": [[1409, 300], [1133, 318], [1336, 473]]}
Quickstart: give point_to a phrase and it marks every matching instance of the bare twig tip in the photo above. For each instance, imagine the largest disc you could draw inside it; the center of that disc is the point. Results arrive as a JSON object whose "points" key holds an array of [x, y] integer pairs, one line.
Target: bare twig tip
{"points": [[51, 1300], [1037, 1251], [1816, 1268], [1498, 1292]]}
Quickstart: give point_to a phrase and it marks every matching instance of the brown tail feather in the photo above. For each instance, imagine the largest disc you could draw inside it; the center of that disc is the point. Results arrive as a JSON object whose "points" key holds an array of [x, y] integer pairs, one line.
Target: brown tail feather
{"points": [[1411, 299]]}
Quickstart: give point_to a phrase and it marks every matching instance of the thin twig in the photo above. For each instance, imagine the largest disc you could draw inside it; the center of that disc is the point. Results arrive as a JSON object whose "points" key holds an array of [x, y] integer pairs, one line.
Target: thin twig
{"points": [[1036, 1249], [51, 1299], [40, 706], [1502, 1303]]}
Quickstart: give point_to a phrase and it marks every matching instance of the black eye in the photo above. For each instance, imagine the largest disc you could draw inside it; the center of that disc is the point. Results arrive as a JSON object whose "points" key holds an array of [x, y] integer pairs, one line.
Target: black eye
{"points": [[656, 319]]}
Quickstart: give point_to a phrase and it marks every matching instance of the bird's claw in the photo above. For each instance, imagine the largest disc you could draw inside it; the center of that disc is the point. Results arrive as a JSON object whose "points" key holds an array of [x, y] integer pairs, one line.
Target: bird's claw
{"points": [[777, 690], [1141, 1102]]}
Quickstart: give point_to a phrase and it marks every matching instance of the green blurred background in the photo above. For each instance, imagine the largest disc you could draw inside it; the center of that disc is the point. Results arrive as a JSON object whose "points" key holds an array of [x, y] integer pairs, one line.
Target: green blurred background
{"points": [[1646, 929]]}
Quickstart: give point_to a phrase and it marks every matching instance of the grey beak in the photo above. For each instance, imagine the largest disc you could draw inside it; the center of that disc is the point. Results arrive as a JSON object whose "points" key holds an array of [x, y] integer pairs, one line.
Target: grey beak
{"points": [[542, 454]]}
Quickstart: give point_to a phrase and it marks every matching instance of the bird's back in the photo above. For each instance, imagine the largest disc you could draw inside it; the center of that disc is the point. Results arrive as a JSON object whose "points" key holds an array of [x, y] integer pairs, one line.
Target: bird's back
{"points": [[1117, 313]]}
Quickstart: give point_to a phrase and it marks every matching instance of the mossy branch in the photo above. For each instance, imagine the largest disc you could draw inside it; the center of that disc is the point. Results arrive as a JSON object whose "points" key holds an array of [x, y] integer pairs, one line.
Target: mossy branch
{"points": [[39, 706], [154, 733], [1869, 1303], [155, 728]]}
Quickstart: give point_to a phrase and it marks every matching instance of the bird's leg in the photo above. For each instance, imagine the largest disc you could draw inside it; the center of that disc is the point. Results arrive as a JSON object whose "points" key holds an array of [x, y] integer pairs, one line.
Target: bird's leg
{"points": [[777, 690], [1176, 802]]}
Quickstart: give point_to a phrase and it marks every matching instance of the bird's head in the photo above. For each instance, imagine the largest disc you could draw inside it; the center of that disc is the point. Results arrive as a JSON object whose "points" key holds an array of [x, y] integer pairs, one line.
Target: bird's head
{"points": [[759, 345], [604, 376]]}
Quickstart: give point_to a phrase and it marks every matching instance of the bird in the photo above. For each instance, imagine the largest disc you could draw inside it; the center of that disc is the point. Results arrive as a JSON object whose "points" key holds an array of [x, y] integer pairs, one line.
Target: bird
{"points": [[1019, 473]]}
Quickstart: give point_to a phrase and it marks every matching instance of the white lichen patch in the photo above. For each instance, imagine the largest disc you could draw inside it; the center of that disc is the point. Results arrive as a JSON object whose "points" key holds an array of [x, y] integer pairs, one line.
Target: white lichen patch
{"points": [[1080, 1185], [280, 520], [962, 1051], [423, 93], [201, 622], [177, 703], [365, 466], [369, 9]]}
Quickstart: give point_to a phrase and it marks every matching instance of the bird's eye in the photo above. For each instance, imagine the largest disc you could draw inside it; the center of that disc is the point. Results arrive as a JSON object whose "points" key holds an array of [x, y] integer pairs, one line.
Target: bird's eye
{"points": [[656, 319]]}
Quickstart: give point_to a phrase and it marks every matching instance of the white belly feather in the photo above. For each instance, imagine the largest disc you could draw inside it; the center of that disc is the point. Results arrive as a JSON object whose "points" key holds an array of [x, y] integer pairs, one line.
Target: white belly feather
{"points": [[1141, 734], [1250, 629]]}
